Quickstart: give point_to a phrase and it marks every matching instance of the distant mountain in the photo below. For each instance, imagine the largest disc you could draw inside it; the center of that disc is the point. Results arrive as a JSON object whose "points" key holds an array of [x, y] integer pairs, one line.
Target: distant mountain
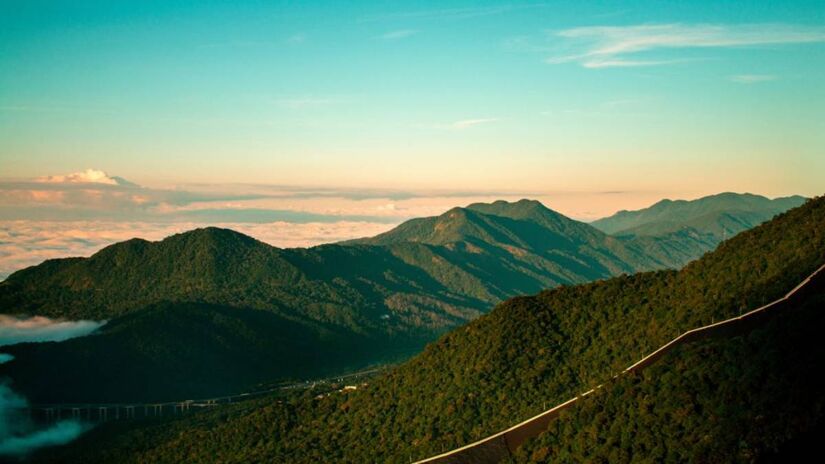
{"points": [[347, 305], [529, 233], [382, 297], [525, 223], [728, 400], [720, 216]]}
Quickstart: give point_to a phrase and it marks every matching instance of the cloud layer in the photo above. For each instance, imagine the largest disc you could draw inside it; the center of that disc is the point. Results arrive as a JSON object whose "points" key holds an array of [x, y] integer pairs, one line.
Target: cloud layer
{"points": [[61, 217], [27, 243]]}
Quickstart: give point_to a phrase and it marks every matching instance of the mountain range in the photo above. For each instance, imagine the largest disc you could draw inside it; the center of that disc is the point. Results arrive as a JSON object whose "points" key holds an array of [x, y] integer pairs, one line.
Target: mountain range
{"points": [[186, 313], [720, 216], [740, 399]]}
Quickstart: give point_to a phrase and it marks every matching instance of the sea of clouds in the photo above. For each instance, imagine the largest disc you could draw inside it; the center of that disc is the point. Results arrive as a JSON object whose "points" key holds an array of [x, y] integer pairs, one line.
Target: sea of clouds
{"points": [[79, 213]]}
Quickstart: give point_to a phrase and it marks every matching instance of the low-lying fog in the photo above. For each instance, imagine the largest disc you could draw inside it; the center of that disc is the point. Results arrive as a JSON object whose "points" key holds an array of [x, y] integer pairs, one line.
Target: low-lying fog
{"points": [[18, 434]]}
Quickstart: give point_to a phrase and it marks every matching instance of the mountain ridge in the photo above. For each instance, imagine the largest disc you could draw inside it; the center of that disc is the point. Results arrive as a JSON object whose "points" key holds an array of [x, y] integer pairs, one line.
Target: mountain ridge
{"points": [[493, 372], [641, 221], [412, 284]]}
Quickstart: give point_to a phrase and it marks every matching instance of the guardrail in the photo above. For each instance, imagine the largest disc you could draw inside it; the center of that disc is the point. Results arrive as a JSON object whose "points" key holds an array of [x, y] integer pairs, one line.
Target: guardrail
{"points": [[494, 448]]}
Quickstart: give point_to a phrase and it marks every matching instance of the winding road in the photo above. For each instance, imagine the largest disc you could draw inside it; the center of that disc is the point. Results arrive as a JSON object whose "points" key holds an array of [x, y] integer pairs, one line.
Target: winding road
{"points": [[501, 445]]}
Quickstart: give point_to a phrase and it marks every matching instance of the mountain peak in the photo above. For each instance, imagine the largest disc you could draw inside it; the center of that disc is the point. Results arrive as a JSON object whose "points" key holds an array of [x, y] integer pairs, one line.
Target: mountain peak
{"points": [[521, 209], [216, 235], [524, 223]]}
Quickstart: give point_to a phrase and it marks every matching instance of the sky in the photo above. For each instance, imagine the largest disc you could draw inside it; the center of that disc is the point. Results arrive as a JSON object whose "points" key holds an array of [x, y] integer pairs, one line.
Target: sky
{"points": [[307, 122]]}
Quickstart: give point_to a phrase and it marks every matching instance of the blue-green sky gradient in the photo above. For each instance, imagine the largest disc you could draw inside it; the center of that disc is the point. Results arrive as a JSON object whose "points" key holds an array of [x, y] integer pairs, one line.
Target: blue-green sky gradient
{"points": [[718, 96]]}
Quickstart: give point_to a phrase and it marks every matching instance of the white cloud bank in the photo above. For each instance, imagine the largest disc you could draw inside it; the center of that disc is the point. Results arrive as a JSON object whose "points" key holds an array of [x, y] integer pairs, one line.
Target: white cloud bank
{"points": [[18, 436], [617, 46], [26, 243], [42, 329]]}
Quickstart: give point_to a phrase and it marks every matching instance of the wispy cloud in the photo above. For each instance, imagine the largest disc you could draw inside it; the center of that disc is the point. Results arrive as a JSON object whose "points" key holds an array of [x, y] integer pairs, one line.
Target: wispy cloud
{"points": [[468, 123], [399, 34], [621, 46], [752, 78]]}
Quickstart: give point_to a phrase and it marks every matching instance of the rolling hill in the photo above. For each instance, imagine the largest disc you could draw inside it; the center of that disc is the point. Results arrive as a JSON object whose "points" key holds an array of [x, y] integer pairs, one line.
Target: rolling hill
{"points": [[534, 351]]}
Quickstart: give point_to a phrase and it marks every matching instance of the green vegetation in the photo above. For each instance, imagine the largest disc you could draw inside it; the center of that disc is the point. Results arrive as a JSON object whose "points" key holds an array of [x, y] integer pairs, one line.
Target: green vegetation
{"points": [[718, 216], [527, 354], [736, 400], [172, 352], [347, 305]]}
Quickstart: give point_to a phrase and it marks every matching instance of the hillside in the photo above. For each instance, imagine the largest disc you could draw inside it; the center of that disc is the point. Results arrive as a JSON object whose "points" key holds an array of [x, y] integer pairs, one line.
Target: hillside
{"points": [[745, 399], [174, 351], [529, 352]]}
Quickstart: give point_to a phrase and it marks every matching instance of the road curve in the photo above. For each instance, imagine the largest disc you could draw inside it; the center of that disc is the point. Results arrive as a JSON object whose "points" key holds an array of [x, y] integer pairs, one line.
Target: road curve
{"points": [[496, 447]]}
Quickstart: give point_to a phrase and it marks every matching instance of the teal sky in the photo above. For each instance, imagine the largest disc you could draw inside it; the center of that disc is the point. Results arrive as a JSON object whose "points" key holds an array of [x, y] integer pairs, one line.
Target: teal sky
{"points": [[695, 97]]}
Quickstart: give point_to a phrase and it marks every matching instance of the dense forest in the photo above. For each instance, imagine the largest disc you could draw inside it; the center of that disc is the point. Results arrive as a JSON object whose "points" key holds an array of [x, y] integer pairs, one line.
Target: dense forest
{"points": [[734, 400], [172, 352], [345, 306], [527, 354]]}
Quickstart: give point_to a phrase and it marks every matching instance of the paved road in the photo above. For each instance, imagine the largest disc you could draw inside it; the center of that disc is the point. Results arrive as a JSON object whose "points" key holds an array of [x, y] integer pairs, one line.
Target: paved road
{"points": [[494, 448]]}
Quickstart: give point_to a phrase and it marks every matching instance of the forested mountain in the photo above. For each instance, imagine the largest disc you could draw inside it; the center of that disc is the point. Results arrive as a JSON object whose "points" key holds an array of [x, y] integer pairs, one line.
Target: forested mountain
{"points": [[338, 307], [356, 303], [533, 352], [719, 216]]}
